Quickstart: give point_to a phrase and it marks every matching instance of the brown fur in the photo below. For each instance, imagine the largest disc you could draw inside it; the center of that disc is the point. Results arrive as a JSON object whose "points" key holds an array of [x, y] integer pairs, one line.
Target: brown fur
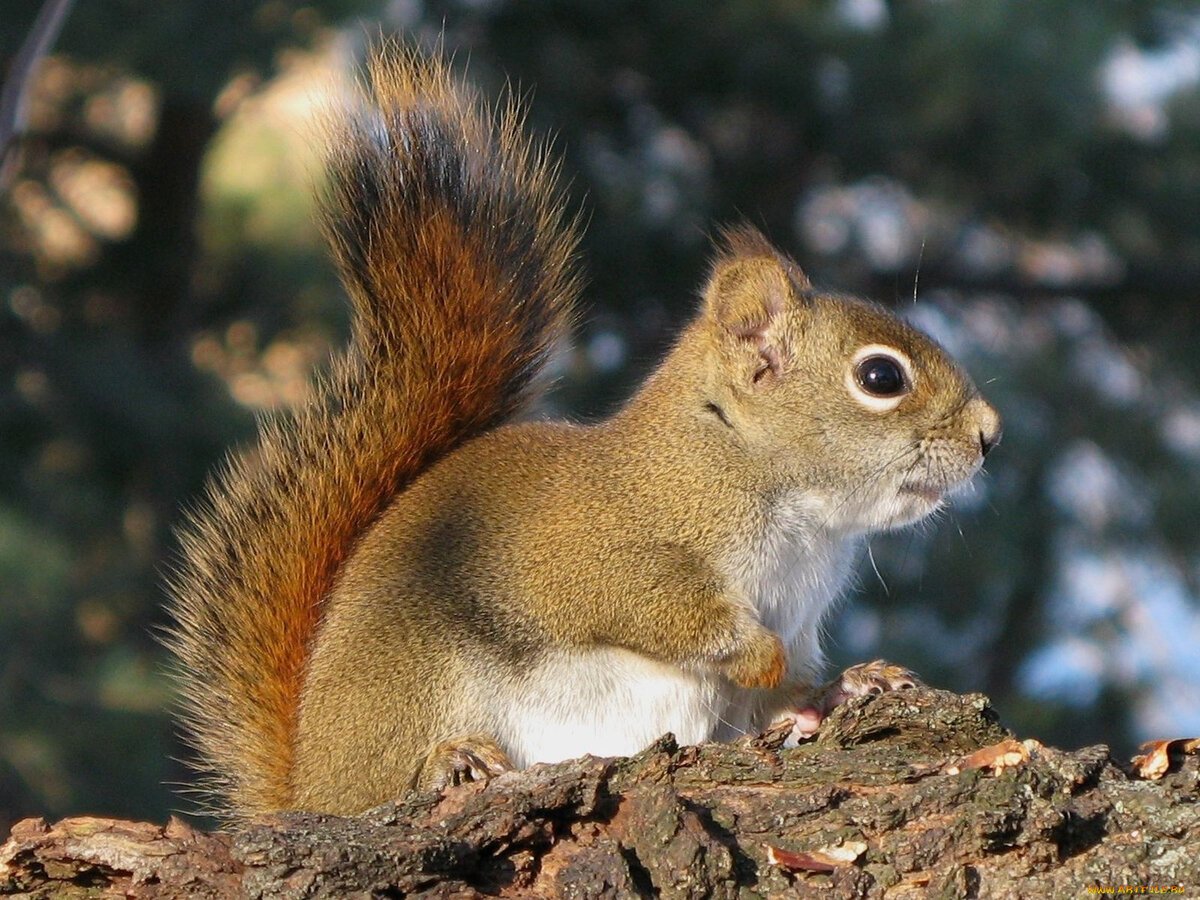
{"points": [[544, 542], [451, 241], [398, 588]]}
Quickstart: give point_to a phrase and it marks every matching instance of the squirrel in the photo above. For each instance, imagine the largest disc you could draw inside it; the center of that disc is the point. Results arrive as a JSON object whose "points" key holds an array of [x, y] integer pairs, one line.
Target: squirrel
{"points": [[402, 587]]}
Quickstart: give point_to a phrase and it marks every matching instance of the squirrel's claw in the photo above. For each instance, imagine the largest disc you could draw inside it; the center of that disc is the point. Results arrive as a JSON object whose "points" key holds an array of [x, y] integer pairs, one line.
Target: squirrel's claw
{"points": [[862, 680], [474, 757]]}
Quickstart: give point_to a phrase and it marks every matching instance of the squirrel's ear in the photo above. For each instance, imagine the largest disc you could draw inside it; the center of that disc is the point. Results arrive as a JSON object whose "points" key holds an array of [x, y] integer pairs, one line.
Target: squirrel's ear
{"points": [[746, 299]]}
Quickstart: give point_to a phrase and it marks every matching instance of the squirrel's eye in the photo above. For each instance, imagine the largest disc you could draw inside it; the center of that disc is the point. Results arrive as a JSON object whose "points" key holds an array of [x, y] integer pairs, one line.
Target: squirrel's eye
{"points": [[881, 376]]}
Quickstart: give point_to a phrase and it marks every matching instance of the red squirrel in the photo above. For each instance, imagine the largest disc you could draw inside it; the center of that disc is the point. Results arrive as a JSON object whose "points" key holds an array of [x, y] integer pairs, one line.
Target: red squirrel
{"points": [[398, 587]]}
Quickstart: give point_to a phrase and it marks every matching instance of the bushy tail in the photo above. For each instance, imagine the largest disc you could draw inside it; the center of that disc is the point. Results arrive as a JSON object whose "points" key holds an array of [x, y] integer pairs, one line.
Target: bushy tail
{"points": [[451, 238]]}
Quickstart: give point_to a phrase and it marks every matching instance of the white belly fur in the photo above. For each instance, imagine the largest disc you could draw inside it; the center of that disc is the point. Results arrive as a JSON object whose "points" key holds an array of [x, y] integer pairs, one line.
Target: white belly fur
{"points": [[794, 576], [608, 702]]}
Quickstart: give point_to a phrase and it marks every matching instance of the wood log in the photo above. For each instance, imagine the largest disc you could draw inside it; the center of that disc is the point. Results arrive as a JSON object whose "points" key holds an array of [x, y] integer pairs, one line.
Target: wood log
{"points": [[917, 793]]}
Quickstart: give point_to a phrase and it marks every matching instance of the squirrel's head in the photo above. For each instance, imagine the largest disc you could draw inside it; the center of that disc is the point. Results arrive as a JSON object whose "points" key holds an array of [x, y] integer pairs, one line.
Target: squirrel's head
{"points": [[859, 415]]}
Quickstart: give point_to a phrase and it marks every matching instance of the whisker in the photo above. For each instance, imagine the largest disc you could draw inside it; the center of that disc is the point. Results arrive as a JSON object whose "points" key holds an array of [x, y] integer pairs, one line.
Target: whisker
{"points": [[872, 479], [871, 556], [917, 274], [908, 549], [741, 732]]}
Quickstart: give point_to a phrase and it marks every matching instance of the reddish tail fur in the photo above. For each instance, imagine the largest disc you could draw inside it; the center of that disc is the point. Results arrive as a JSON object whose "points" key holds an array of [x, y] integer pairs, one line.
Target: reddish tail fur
{"points": [[449, 232]]}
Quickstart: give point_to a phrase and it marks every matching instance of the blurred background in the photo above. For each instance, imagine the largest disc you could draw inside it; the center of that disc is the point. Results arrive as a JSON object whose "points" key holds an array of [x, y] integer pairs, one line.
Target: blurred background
{"points": [[1019, 177]]}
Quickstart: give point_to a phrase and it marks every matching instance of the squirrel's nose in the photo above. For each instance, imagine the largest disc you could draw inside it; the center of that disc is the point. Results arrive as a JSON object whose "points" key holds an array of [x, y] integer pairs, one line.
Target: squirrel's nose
{"points": [[988, 422]]}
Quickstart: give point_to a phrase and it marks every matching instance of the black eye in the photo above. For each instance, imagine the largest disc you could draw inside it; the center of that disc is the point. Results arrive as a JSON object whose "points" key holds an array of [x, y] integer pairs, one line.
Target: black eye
{"points": [[881, 376]]}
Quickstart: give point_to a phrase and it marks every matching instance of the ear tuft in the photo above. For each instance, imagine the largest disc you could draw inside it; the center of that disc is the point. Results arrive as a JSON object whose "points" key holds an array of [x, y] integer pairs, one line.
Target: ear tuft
{"points": [[751, 285], [744, 241]]}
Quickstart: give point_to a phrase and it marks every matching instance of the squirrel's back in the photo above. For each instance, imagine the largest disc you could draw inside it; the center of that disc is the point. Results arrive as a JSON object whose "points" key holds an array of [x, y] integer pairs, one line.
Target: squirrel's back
{"points": [[450, 237]]}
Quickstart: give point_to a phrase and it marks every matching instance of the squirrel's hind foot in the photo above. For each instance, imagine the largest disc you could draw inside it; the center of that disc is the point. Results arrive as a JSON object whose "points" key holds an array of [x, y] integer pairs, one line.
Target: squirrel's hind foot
{"points": [[472, 757]]}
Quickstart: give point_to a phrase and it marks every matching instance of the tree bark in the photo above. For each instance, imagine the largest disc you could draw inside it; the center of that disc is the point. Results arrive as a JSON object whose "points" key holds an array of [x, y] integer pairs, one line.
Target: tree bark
{"points": [[916, 793]]}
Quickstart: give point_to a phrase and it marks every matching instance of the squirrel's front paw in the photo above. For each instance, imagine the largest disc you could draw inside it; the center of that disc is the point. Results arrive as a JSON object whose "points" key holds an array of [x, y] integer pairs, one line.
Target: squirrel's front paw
{"points": [[862, 680], [758, 660]]}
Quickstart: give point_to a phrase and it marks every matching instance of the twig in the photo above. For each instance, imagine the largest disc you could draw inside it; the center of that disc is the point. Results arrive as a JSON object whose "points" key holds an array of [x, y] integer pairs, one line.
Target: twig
{"points": [[14, 99]]}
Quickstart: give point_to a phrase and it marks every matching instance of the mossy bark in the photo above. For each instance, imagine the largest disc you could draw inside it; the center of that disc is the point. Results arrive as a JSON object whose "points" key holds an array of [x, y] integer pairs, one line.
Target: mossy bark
{"points": [[884, 803]]}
